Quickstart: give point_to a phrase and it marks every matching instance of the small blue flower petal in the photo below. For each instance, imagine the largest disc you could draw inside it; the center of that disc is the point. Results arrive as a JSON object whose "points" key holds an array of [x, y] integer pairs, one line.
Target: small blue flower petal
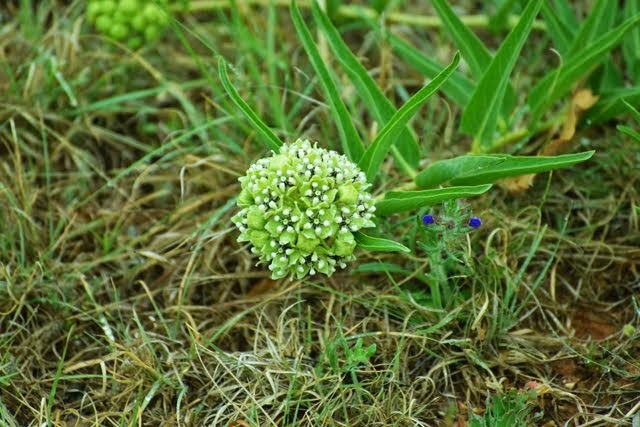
{"points": [[475, 222], [428, 219]]}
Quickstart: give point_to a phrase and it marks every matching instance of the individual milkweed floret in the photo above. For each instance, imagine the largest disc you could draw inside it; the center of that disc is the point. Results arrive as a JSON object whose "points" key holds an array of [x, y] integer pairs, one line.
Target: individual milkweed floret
{"points": [[132, 22], [300, 209]]}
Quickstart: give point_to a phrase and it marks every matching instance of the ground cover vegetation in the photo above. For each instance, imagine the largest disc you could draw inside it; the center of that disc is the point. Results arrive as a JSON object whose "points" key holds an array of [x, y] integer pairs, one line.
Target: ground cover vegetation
{"points": [[298, 214]]}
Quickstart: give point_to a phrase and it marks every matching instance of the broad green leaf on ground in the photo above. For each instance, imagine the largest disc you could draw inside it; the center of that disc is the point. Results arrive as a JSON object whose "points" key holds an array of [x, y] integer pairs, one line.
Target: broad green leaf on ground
{"points": [[611, 104], [445, 170], [472, 50], [458, 88], [402, 201], [519, 165], [480, 116], [267, 136], [378, 244], [377, 151], [631, 43], [381, 108], [561, 81], [351, 143]]}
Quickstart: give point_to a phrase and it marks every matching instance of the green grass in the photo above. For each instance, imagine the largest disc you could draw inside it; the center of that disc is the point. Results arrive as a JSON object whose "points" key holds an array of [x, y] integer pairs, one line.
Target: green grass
{"points": [[125, 299]]}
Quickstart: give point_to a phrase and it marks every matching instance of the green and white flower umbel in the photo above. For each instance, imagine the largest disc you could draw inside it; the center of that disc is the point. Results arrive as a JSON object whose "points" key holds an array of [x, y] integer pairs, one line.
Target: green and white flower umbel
{"points": [[132, 22], [300, 209]]}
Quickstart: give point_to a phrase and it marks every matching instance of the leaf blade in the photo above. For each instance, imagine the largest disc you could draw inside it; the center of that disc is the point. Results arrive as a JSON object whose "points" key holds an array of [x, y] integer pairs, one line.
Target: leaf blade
{"points": [[351, 142], [402, 201], [374, 156], [376, 102], [378, 244], [480, 116], [270, 139]]}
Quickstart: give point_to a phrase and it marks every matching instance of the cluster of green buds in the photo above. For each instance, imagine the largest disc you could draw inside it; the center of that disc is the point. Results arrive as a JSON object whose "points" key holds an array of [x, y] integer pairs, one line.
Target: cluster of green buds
{"points": [[132, 22], [300, 209]]}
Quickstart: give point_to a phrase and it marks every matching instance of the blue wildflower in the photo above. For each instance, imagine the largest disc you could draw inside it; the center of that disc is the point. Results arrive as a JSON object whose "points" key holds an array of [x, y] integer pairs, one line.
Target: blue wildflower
{"points": [[428, 219], [475, 222]]}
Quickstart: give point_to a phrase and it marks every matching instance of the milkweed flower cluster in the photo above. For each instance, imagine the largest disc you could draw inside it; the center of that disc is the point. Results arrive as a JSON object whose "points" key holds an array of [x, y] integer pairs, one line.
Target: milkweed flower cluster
{"points": [[133, 22], [300, 209]]}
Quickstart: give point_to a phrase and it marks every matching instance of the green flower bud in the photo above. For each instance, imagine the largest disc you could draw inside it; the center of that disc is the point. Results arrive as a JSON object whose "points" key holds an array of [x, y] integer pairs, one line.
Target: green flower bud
{"points": [[309, 202]]}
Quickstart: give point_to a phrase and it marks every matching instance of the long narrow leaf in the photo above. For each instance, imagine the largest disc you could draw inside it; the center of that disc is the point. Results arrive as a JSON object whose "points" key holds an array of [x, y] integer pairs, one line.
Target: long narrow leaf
{"points": [[378, 244], [458, 88], [611, 104], [631, 43], [381, 108], [561, 35], [481, 114], [445, 170], [269, 138], [520, 165], [402, 201], [377, 151], [472, 50], [592, 26], [560, 82], [351, 143]]}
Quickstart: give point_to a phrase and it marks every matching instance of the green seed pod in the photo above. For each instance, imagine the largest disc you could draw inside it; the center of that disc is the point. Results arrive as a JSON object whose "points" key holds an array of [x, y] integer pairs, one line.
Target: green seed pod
{"points": [[119, 31], [300, 208], [104, 23], [129, 6], [151, 33]]}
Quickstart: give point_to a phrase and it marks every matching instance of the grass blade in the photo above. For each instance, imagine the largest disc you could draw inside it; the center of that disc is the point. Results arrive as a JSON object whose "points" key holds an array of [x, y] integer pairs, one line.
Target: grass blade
{"points": [[402, 201], [457, 87], [378, 244], [381, 108], [595, 23], [520, 165], [270, 140], [445, 170], [560, 82], [351, 143], [375, 154], [481, 114], [612, 104], [560, 34], [629, 132]]}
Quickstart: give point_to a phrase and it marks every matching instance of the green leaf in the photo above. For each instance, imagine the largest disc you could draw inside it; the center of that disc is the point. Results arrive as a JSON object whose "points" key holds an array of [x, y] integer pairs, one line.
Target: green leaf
{"points": [[376, 152], [402, 201], [381, 267], [519, 165], [458, 88], [446, 170], [631, 43], [472, 50], [612, 104], [561, 34], [629, 132], [561, 81], [270, 140], [481, 114], [381, 108], [351, 143], [594, 24], [634, 112], [378, 244]]}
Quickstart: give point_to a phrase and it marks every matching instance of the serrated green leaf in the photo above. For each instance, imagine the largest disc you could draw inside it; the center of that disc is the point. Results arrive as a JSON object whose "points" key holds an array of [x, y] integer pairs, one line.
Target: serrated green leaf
{"points": [[381, 108], [561, 81], [378, 244], [377, 151], [481, 114], [351, 142], [445, 170], [520, 165], [458, 88], [402, 201], [269, 138]]}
